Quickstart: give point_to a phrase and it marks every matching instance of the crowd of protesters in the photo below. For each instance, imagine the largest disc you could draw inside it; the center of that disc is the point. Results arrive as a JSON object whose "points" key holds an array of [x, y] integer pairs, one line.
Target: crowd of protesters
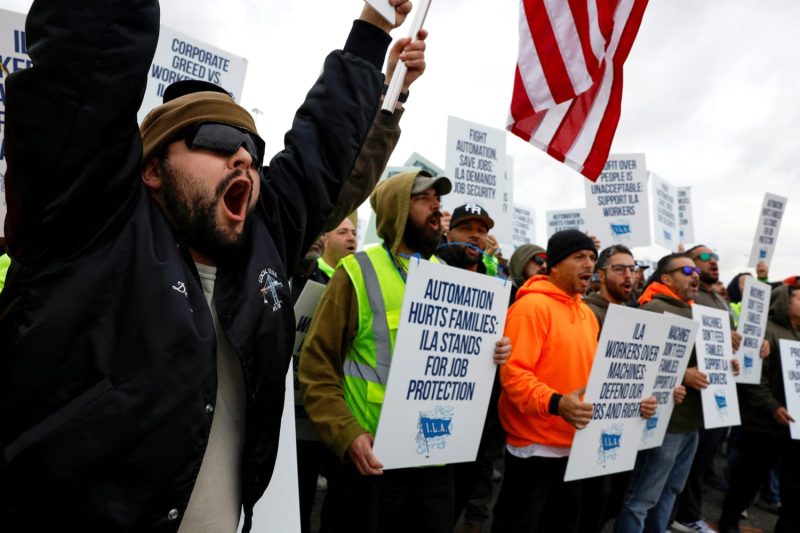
{"points": [[146, 322]]}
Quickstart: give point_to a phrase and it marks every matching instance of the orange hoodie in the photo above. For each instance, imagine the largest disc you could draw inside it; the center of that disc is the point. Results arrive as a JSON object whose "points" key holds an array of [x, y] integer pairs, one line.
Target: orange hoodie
{"points": [[553, 339]]}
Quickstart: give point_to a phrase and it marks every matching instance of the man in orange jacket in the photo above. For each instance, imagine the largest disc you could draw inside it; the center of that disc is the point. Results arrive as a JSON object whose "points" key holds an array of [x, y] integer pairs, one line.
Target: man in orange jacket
{"points": [[554, 338]]}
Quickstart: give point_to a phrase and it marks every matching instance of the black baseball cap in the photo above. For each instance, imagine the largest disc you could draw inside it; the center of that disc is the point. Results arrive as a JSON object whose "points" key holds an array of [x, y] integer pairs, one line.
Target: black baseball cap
{"points": [[466, 212]]}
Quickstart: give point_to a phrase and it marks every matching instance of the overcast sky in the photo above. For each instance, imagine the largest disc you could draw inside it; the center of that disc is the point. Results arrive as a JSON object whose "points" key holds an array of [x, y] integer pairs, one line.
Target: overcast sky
{"points": [[710, 98]]}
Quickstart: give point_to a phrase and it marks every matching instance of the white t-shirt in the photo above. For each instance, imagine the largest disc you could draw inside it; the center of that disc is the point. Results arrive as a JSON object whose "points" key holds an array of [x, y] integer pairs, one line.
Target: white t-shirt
{"points": [[216, 500]]}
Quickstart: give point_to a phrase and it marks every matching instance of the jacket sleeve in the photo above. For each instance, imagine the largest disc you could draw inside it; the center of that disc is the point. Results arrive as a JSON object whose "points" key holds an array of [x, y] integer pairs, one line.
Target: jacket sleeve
{"points": [[320, 370], [372, 159], [303, 181], [73, 145], [520, 383]]}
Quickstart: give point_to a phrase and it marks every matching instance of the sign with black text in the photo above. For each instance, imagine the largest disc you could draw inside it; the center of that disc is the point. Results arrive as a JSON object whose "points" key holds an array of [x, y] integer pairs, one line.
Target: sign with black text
{"points": [[714, 355], [565, 219]]}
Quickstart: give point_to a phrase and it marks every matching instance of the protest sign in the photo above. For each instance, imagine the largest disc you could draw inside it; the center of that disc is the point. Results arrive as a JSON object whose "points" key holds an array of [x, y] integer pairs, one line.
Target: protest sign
{"points": [[524, 226], [714, 354], [476, 164], [671, 367], [181, 57], [384, 8], [752, 326], [565, 219], [279, 507], [416, 160], [370, 233], [442, 368], [303, 312], [769, 224], [790, 367], [13, 58], [685, 216], [616, 204], [504, 222], [621, 377], [666, 229]]}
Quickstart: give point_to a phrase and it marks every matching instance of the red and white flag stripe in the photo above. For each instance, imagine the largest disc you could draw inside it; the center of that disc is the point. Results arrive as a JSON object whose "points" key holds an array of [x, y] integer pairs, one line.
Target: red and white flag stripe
{"points": [[568, 84]]}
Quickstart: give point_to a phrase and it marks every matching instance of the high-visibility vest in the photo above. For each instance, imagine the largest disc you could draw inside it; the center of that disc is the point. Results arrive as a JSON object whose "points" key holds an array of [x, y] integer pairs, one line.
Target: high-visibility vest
{"points": [[379, 291], [325, 267]]}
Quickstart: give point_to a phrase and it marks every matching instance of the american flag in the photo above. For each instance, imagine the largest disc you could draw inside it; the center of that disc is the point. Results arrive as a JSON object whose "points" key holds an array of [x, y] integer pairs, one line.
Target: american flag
{"points": [[568, 83]]}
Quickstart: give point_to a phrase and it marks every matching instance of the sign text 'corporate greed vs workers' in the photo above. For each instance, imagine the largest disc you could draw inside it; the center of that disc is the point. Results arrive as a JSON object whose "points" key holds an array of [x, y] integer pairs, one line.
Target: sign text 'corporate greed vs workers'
{"points": [[442, 368], [617, 209]]}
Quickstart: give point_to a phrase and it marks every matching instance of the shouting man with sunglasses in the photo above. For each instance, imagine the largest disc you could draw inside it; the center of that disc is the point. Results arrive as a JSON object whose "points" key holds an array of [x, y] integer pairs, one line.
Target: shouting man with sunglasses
{"points": [[146, 326]]}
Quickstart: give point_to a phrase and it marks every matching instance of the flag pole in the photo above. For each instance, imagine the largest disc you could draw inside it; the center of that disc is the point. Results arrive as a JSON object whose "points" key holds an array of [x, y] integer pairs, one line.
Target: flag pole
{"points": [[399, 76]]}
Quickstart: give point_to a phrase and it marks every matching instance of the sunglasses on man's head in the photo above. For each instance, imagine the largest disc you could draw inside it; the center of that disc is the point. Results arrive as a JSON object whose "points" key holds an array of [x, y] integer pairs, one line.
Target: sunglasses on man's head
{"points": [[687, 270], [705, 256], [224, 139], [540, 259]]}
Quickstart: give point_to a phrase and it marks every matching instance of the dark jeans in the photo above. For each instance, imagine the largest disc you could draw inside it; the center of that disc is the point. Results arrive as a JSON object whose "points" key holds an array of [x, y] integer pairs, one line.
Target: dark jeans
{"points": [[402, 500], [473, 481], [759, 451], [534, 497], [315, 459], [690, 502]]}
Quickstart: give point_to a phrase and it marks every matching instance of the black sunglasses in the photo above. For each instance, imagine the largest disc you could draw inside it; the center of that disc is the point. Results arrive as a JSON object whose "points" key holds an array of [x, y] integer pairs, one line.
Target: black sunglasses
{"points": [[539, 259], [687, 270], [224, 139]]}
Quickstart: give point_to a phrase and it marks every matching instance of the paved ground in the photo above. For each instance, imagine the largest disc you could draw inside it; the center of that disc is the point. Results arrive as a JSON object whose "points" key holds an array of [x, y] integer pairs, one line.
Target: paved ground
{"points": [[759, 519]]}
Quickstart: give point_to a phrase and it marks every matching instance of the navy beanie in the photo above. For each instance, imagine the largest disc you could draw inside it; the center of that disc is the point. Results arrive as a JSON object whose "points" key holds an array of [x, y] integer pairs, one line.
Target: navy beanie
{"points": [[565, 243]]}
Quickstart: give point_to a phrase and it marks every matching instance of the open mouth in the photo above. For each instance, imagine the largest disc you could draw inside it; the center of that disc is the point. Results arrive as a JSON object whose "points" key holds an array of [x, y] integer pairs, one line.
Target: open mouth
{"points": [[585, 278], [434, 221], [237, 198]]}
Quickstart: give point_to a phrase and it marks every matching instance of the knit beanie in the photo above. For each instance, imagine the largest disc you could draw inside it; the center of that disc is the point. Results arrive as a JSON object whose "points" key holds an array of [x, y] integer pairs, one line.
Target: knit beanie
{"points": [[564, 243], [163, 123]]}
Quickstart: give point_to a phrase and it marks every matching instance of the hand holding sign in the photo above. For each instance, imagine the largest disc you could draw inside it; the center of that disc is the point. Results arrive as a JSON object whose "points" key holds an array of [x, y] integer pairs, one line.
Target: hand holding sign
{"points": [[648, 407], [502, 351], [782, 416], [695, 379], [386, 14], [412, 54], [577, 413], [360, 452]]}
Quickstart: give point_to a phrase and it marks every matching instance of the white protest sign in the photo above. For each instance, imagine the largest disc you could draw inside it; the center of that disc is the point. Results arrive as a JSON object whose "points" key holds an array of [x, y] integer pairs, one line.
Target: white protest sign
{"points": [[504, 221], [13, 58], [714, 354], [671, 367], [442, 369], [384, 8], [666, 230], [685, 216], [476, 165], [769, 224], [790, 367], [565, 219], [303, 312], [622, 376], [524, 226], [370, 233], [617, 205], [752, 326], [279, 507], [417, 160], [181, 57]]}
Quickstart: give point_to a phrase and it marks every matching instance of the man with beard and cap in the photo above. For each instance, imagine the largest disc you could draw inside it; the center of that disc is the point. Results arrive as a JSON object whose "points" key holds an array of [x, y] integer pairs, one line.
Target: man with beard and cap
{"points": [[764, 439], [146, 325], [467, 238], [346, 357], [688, 515], [660, 473], [615, 270], [554, 339]]}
